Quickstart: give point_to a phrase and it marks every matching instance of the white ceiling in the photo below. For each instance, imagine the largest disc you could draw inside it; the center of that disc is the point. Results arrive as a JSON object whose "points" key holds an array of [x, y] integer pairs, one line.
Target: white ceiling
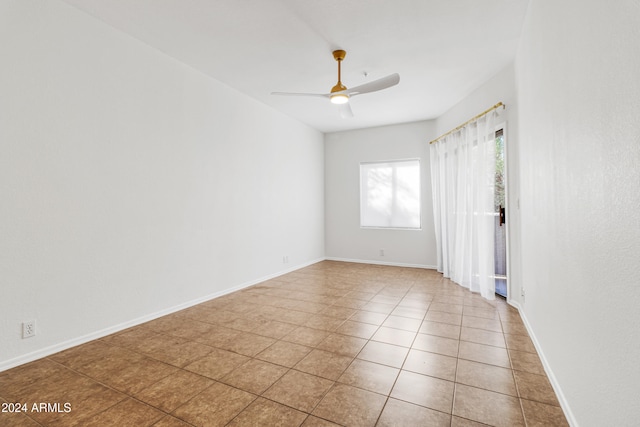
{"points": [[442, 49]]}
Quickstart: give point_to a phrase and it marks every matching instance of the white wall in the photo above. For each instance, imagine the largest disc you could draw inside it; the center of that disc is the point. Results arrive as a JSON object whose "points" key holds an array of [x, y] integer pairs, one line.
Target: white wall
{"points": [[131, 184], [345, 239], [577, 74], [500, 88]]}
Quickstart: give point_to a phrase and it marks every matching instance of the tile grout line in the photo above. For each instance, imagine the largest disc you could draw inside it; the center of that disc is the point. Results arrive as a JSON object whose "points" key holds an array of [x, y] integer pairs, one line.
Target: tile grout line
{"points": [[329, 300]]}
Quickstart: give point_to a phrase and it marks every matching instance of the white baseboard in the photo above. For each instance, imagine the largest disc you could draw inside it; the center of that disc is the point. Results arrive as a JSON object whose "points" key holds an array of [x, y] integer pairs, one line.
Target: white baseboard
{"points": [[564, 404], [47, 351], [393, 264]]}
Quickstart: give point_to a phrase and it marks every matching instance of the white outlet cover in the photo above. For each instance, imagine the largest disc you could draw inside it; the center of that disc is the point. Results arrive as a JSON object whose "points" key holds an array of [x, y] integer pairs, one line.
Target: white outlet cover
{"points": [[28, 329]]}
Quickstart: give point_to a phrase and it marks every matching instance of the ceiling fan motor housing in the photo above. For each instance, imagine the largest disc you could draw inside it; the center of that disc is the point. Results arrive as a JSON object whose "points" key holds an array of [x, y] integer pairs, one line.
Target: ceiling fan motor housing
{"points": [[338, 88]]}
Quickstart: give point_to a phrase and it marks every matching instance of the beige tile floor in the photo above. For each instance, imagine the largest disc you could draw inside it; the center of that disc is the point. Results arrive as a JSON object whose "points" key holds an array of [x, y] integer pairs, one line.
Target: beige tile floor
{"points": [[331, 344]]}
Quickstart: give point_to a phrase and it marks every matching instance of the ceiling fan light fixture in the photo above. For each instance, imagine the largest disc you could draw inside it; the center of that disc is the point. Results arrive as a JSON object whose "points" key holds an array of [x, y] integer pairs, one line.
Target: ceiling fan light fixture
{"points": [[339, 98]]}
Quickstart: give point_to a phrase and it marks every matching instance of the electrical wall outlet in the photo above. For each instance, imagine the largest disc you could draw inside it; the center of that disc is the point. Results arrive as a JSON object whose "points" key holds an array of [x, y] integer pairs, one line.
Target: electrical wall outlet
{"points": [[285, 259], [28, 329], [381, 252]]}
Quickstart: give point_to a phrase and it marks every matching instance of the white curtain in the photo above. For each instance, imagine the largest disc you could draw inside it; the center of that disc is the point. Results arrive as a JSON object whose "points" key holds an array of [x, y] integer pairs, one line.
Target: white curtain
{"points": [[463, 167]]}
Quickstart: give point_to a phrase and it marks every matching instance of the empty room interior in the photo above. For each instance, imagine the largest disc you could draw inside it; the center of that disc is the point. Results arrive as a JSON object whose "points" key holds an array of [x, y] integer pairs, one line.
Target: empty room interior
{"points": [[319, 213]]}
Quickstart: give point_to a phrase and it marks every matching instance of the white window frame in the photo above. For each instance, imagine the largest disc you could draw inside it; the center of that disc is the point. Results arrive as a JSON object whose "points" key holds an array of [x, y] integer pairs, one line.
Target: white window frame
{"points": [[363, 197]]}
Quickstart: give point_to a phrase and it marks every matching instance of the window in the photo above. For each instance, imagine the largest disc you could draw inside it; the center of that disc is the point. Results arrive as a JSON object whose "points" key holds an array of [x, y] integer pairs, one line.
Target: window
{"points": [[390, 194]]}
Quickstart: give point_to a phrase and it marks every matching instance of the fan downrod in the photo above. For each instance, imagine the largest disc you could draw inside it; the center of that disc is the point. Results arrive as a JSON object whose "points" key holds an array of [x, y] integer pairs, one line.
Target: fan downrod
{"points": [[339, 55]]}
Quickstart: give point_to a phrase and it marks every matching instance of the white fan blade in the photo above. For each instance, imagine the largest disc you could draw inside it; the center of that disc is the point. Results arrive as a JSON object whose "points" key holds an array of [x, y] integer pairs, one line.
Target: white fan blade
{"points": [[323, 95], [376, 85], [345, 110]]}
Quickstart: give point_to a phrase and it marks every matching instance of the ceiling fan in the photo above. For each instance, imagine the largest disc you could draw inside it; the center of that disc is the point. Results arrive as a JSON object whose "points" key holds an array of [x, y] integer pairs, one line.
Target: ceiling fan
{"points": [[340, 94]]}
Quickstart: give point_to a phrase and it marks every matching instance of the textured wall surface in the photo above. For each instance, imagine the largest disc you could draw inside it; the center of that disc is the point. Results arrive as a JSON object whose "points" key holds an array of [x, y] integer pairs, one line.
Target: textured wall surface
{"points": [[578, 86], [131, 184], [345, 239]]}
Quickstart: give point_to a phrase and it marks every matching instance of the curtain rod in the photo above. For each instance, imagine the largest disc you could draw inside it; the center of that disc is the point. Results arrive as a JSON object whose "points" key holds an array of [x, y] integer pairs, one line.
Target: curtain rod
{"points": [[498, 105]]}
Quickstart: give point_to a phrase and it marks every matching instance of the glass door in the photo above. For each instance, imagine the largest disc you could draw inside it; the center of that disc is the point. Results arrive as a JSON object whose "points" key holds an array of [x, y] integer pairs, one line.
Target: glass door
{"points": [[500, 218]]}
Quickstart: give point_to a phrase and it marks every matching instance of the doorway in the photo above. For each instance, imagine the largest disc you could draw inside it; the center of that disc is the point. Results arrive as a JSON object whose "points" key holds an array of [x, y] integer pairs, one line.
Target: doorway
{"points": [[500, 204]]}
